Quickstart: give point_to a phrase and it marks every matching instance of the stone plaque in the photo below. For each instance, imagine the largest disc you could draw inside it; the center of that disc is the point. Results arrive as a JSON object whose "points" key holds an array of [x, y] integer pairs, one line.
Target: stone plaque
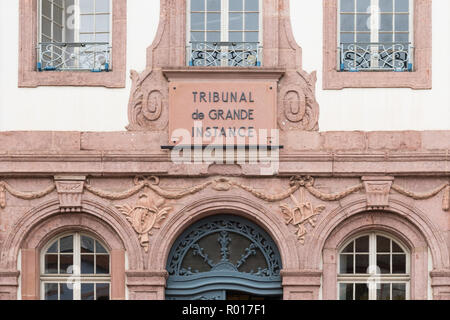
{"points": [[219, 112]]}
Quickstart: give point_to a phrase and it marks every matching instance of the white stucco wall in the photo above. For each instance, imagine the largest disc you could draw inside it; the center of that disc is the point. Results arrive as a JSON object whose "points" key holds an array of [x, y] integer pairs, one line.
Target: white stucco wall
{"points": [[100, 109]]}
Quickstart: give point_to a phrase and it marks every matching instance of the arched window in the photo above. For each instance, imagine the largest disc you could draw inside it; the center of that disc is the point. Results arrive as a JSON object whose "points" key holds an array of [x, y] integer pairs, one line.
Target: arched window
{"points": [[75, 267], [373, 267], [224, 33], [224, 257]]}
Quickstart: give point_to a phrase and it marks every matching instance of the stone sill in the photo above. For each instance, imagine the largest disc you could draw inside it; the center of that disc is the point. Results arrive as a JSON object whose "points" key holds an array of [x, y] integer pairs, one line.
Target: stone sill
{"points": [[223, 73]]}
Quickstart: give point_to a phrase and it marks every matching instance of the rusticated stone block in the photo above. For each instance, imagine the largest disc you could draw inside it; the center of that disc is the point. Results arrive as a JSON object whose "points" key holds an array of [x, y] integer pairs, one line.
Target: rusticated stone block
{"points": [[123, 141], [436, 140], [344, 140], [301, 140], [399, 141], [39, 141]]}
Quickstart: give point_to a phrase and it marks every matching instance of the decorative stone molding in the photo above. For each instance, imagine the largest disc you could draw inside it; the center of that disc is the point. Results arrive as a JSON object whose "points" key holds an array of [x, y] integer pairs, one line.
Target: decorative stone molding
{"points": [[145, 216], [70, 191], [377, 191], [420, 78], [29, 77], [21, 195], [440, 282], [297, 105]]}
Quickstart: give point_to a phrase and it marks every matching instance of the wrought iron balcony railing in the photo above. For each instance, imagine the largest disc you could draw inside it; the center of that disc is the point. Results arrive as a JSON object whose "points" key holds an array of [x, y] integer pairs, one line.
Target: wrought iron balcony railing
{"points": [[89, 56], [376, 57], [225, 54]]}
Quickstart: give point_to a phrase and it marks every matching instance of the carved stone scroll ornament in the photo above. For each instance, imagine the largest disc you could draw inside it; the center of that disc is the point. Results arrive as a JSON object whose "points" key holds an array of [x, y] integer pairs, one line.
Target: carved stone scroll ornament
{"points": [[299, 107], [147, 108]]}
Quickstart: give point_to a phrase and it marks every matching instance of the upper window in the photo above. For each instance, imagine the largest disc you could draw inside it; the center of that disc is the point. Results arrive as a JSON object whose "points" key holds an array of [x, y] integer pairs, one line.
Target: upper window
{"points": [[375, 35], [75, 267], [74, 35], [224, 33], [373, 267]]}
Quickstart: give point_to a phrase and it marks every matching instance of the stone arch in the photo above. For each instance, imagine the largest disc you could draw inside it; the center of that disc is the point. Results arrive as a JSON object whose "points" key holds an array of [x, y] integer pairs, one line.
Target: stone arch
{"points": [[29, 232], [234, 205], [402, 221], [415, 220]]}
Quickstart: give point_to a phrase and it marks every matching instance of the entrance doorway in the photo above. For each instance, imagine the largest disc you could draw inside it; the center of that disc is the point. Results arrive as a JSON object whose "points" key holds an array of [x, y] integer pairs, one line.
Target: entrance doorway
{"points": [[224, 258]]}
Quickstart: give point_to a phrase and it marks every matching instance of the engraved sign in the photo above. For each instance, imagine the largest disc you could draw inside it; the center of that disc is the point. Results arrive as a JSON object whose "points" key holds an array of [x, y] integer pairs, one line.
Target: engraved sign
{"points": [[231, 112]]}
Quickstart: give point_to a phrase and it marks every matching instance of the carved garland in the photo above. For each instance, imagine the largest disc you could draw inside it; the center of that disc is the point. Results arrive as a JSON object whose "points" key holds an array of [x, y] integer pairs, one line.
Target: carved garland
{"points": [[148, 214]]}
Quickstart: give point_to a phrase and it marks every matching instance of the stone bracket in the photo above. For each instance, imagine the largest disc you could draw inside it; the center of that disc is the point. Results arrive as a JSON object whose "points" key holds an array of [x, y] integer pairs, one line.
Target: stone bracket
{"points": [[377, 191], [70, 190]]}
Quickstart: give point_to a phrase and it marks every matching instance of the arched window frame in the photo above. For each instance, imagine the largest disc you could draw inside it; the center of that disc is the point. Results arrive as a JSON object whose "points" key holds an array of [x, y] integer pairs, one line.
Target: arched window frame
{"points": [[378, 278], [76, 278], [224, 46]]}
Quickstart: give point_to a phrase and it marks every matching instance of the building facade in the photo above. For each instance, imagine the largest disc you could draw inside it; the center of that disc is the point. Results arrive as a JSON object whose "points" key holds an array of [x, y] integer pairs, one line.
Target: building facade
{"points": [[239, 174]]}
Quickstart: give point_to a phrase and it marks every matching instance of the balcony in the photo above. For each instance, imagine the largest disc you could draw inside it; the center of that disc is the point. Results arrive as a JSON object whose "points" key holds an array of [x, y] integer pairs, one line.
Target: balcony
{"points": [[92, 56], [355, 57], [224, 54]]}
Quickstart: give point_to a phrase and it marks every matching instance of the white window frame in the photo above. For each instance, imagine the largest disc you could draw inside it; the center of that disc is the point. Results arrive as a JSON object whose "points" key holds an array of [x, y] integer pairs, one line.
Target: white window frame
{"points": [[381, 278], [224, 32], [76, 278], [374, 34]]}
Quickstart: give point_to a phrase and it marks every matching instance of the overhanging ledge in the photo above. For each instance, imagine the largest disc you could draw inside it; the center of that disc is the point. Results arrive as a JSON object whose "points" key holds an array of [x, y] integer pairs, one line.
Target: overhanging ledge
{"points": [[222, 73]]}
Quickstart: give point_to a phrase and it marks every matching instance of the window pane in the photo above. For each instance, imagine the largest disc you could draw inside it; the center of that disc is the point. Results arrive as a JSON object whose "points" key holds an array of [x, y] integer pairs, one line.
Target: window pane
{"points": [[213, 21], [53, 248], [398, 291], [386, 37], [362, 22], [252, 21], [51, 264], [197, 36], [99, 248], [102, 6], [251, 5], [65, 292], [102, 291], [236, 36], [213, 5], [386, 5], [361, 291], [65, 264], [346, 291], [401, 22], [236, 21], [86, 6], [102, 264], [87, 23], [87, 264], [102, 23], [51, 291], [349, 248], [66, 245], [251, 37], [87, 245], [362, 263], [346, 264], [396, 247], [383, 244], [363, 5], [87, 291], [384, 291], [399, 264], [236, 5], [386, 22], [213, 36], [197, 21], [347, 6], [347, 22], [198, 5], [47, 8], [362, 244], [402, 5], [383, 262]]}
